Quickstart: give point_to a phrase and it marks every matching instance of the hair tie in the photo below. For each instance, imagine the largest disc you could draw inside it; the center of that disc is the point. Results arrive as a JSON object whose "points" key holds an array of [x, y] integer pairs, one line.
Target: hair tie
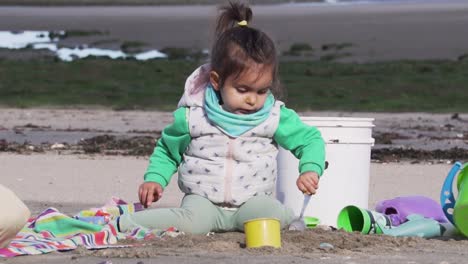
{"points": [[242, 23]]}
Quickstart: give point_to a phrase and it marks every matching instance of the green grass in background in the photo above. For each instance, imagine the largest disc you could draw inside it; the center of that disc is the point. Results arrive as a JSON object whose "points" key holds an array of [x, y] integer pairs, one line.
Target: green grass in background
{"points": [[116, 84], [431, 86]]}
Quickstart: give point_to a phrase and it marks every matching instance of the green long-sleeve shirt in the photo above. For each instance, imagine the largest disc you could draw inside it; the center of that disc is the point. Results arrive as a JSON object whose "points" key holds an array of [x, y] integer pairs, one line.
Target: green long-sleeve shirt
{"points": [[305, 142]]}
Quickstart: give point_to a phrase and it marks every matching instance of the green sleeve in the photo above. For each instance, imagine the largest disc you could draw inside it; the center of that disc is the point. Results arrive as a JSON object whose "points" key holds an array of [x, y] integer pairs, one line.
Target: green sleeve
{"points": [[304, 141], [168, 152]]}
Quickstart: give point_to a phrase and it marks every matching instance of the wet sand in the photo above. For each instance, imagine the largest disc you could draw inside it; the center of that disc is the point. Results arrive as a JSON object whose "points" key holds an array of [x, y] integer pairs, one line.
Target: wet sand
{"points": [[78, 129], [377, 31]]}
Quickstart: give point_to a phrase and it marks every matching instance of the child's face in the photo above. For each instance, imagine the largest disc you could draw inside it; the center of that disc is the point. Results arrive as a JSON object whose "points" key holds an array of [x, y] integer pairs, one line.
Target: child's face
{"points": [[246, 94]]}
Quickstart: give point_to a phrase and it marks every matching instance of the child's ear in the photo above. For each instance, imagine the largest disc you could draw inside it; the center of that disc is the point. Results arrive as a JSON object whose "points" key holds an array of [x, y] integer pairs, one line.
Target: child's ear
{"points": [[214, 80]]}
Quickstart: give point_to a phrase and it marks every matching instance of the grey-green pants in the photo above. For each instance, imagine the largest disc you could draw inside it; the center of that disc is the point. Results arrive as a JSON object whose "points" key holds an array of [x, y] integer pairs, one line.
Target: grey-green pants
{"points": [[198, 215]]}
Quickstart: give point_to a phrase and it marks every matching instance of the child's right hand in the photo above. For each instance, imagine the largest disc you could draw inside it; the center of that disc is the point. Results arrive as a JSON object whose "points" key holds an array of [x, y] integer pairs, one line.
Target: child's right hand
{"points": [[308, 182], [149, 192]]}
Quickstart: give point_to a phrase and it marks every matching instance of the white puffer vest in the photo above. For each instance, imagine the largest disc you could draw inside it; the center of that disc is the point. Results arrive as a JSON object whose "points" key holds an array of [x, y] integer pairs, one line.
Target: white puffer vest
{"points": [[228, 171]]}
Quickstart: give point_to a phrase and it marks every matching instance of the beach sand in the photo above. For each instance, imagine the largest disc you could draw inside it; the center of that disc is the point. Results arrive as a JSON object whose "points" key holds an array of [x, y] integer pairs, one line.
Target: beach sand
{"points": [[69, 182], [73, 182], [62, 180]]}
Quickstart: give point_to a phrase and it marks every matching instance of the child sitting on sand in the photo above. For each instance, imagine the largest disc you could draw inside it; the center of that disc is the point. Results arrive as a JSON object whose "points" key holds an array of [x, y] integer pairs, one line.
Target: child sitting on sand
{"points": [[224, 139]]}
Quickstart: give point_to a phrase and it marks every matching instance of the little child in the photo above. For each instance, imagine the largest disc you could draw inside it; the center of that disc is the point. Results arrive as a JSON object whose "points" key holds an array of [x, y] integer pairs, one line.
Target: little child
{"points": [[224, 139]]}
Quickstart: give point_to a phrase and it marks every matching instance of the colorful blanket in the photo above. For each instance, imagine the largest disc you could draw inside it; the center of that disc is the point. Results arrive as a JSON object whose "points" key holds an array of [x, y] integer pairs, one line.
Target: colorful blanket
{"points": [[53, 231]]}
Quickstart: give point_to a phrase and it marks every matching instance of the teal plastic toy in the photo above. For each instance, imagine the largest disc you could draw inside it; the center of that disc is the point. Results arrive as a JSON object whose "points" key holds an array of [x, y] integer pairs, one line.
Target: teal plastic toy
{"points": [[456, 211], [418, 225]]}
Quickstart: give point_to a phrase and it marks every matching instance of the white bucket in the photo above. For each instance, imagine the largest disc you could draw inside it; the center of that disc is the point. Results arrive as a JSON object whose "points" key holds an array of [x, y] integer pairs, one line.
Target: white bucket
{"points": [[345, 182]]}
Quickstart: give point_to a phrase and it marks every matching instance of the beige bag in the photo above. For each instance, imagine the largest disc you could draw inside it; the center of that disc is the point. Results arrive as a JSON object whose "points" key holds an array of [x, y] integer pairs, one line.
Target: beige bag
{"points": [[13, 215]]}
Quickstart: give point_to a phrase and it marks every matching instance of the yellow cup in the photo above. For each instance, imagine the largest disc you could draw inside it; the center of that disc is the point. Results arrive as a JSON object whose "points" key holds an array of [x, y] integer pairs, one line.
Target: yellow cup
{"points": [[261, 232]]}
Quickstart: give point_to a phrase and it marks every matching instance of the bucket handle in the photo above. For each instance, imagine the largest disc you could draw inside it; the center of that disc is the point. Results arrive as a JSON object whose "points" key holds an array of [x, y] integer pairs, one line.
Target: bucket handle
{"points": [[447, 199]]}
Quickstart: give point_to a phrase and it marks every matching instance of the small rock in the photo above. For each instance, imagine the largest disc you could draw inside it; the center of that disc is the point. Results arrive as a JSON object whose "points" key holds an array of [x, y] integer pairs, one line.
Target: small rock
{"points": [[449, 127], [324, 227], [326, 246], [3, 145], [57, 146]]}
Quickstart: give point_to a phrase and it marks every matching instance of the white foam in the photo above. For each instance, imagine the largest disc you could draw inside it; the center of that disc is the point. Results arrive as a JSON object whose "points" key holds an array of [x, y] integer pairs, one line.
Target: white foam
{"points": [[48, 46], [152, 54], [67, 54], [11, 40], [41, 40]]}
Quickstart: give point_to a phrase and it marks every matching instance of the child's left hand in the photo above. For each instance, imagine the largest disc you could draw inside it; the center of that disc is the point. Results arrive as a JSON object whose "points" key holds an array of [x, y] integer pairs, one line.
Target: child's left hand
{"points": [[308, 182]]}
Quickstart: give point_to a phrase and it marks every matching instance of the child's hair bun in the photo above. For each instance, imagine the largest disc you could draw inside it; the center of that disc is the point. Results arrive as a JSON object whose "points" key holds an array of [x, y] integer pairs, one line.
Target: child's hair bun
{"points": [[232, 15]]}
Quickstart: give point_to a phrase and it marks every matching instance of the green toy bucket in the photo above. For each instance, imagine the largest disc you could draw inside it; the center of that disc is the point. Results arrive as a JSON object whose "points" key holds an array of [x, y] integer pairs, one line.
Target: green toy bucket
{"points": [[460, 212], [352, 218]]}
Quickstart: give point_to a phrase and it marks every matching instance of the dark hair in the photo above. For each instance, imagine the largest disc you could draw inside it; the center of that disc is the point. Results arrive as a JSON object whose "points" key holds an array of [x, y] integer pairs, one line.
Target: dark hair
{"points": [[235, 45]]}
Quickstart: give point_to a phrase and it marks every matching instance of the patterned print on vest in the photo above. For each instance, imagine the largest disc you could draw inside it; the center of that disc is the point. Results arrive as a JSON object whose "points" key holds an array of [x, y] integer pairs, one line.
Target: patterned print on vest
{"points": [[229, 170]]}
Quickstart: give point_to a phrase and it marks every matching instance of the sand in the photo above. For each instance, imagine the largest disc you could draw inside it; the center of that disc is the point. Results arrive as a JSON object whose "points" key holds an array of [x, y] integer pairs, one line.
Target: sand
{"points": [[68, 182], [62, 180]]}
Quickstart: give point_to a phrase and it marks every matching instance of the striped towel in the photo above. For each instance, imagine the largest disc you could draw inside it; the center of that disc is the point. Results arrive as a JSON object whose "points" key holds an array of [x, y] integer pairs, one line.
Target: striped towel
{"points": [[53, 231], [64, 234]]}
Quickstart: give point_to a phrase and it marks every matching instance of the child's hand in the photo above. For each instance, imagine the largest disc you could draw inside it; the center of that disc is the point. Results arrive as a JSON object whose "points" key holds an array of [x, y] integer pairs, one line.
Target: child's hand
{"points": [[308, 182], [149, 192]]}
